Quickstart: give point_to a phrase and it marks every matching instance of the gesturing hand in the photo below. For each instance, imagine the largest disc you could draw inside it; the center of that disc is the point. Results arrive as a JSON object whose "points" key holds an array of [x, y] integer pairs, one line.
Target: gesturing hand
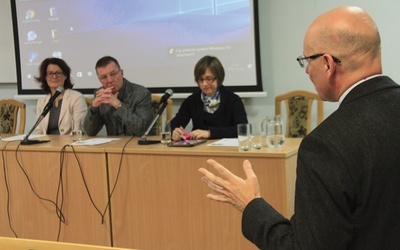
{"points": [[230, 188]]}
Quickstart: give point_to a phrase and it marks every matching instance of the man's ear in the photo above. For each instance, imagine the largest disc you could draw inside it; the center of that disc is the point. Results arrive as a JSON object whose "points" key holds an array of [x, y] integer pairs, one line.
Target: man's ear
{"points": [[326, 62], [329, 64]]}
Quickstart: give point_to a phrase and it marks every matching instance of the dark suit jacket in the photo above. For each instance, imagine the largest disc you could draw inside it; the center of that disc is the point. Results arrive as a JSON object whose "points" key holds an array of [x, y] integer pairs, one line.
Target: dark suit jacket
{"points": [[348, 180], [132, 118]]}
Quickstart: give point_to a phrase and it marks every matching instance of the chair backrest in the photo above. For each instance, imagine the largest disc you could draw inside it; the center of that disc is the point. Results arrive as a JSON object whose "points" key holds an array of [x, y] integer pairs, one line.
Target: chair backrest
{"points": [[88, 100], [9, 110], [155, 99], [298, 111]]}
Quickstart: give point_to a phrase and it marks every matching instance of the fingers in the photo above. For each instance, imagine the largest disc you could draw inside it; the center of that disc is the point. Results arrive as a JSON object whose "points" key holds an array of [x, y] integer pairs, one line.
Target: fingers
{"points": [[220, 198], [178, 134], [222, 188], [106, 96], [105, 91], [193, 135], [211, 184], [223, 194], [230, 188], [199, 134], [216, 183], [225, 173], [211, 178], [248, 169]]}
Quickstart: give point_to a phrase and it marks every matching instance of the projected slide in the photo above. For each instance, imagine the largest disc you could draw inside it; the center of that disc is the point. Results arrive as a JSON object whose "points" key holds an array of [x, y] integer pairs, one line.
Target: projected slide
{"points": [[157, 42]]}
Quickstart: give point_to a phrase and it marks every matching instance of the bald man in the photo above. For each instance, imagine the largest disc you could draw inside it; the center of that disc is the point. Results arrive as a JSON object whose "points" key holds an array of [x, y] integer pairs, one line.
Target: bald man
{"points": [[348, 168]]}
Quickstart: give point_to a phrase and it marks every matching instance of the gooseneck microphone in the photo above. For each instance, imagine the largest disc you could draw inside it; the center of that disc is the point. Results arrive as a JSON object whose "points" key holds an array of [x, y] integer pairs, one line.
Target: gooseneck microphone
{"points": [[46, 110], [50, 103], [163, 102], [164, 98]]}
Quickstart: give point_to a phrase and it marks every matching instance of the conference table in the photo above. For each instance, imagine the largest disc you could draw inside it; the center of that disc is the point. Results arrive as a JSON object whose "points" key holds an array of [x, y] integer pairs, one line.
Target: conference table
{"points": [[127, 195], [7, 243]]}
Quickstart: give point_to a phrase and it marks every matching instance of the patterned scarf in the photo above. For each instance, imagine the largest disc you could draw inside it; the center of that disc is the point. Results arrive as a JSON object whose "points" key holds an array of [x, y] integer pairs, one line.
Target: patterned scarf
{"points": [[211, 104]]}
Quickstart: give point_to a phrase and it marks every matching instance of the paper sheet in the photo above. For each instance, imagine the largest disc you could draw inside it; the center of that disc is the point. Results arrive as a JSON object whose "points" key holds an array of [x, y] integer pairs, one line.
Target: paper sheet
{"points": [[233, 142], [19, 137], [94, 141]]}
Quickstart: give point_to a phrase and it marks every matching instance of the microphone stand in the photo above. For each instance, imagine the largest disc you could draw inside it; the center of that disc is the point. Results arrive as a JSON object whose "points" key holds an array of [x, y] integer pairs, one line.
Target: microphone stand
{"points": [[144, 140], [26, 141]]}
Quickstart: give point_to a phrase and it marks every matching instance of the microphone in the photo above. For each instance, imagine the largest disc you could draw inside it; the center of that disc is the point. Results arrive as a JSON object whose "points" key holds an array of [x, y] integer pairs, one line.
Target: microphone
{"points": [[164, 98], [46, 110], [164, 103], [50, 104]]}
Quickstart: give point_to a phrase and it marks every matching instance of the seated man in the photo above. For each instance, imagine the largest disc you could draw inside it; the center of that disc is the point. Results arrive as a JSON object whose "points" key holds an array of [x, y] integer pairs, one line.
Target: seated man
{"points": [[123, 107]]}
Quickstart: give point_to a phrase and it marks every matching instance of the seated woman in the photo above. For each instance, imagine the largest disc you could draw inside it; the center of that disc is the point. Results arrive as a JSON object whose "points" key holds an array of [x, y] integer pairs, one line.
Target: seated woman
{"points": [[214, 110], [68, 107]]}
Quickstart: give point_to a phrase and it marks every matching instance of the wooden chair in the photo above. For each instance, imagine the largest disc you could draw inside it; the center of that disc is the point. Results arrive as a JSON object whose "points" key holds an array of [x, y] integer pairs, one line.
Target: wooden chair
{"points": [[298, 111], [88, 100], [9, 110], [155, 99]]}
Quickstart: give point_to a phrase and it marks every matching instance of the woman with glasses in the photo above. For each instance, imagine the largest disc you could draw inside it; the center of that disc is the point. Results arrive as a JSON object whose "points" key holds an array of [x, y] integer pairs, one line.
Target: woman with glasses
{"points": [[68, 107], [214, 110]]}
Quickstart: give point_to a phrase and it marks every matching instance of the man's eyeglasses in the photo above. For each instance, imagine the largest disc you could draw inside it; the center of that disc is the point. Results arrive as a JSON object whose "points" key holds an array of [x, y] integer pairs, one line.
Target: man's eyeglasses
{"points": [[112, 75], [207, 80], [301, 59], [57, 74]]}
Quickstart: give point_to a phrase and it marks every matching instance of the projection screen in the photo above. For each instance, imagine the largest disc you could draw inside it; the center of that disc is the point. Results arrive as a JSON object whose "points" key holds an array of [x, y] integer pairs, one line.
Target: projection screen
{"points": [[157, 42]]}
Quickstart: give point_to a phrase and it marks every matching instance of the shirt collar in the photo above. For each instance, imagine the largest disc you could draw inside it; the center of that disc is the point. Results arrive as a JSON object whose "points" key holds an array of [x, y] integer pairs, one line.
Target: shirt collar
{"points": [[355, 85], [210, 101]]}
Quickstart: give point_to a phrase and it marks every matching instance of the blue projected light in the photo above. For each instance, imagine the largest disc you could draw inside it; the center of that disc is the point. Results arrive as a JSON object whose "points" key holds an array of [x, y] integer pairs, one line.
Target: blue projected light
{"points": [[157, 42]]}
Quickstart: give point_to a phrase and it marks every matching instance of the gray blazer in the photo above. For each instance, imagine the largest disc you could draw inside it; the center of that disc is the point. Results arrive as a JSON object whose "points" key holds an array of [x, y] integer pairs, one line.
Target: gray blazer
{"points": [[348, 180], [132, 118]]}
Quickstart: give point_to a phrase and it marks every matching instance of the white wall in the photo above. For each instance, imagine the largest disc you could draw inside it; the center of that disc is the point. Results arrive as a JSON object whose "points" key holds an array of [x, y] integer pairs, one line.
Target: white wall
{"points": [[282, 26]]}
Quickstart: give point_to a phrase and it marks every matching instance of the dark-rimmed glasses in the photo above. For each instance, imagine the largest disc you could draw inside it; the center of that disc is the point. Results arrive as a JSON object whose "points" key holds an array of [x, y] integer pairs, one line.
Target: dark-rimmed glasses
{"points": [[207, 80], [112, 75], [301, 59], [51, 74]]}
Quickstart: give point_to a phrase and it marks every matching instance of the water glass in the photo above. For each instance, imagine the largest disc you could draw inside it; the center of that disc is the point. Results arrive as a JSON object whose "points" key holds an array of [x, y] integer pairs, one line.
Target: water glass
{"points": [[76, 131], [256, 137], [165, 132], [244, 136], [274, 132]]}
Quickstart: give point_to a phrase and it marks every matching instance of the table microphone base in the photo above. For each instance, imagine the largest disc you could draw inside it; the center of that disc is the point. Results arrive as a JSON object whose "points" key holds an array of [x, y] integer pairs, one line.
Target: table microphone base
{"points": [[32, 142], [148, 142]]}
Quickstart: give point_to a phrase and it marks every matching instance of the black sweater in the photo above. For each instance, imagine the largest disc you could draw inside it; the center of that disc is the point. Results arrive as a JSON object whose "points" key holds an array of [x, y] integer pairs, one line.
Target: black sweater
{"points": [[222, 123]]}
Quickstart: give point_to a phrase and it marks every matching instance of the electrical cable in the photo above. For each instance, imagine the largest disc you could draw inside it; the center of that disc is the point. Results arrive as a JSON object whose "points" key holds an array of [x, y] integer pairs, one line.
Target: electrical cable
{"points": [[117, 177], [59, 202], [59, 213], [8, 190], [85, 183]]}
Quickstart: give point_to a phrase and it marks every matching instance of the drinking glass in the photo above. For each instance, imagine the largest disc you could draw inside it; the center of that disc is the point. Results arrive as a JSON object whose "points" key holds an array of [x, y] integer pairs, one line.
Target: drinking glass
{"points": [[274, 132], [165, 132], [244, 136], [256, 136], [76, 131]]}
